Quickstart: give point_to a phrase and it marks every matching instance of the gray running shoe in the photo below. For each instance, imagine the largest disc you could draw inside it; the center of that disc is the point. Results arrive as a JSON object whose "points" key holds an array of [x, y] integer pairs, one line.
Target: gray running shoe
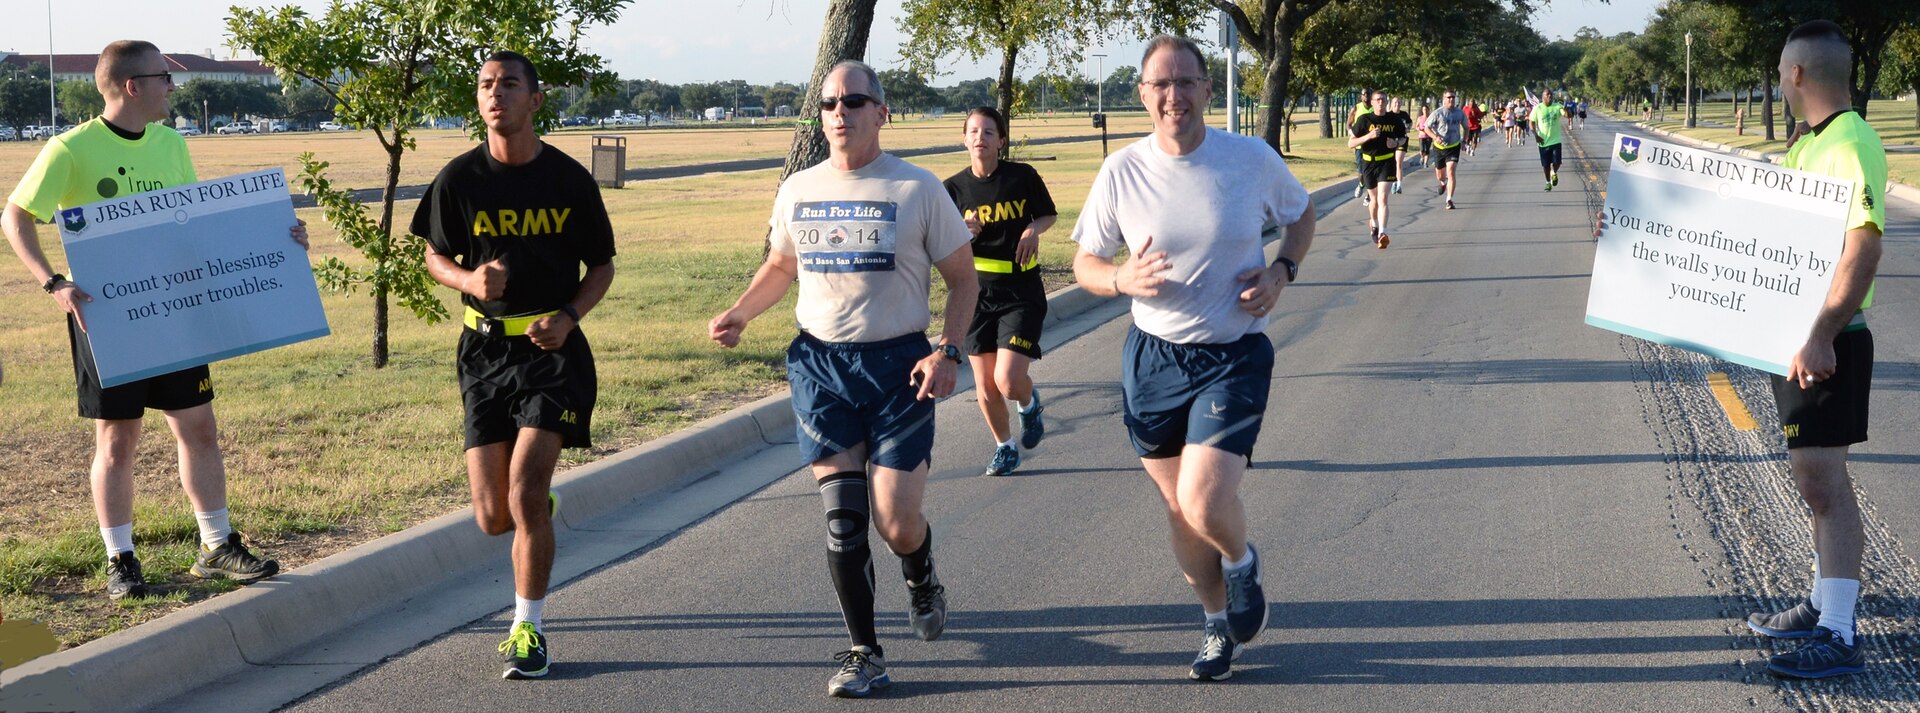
{"points": [[861, 672], [1796, 623], [929, 615], [1032, 426], [124, 578], [232, 561], [1005, 460], [1246, 600], [1217, 654]]}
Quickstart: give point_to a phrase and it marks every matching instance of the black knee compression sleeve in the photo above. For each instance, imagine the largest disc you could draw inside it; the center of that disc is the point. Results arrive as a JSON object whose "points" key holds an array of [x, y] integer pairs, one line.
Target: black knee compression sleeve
{"points": [[849, 558]]}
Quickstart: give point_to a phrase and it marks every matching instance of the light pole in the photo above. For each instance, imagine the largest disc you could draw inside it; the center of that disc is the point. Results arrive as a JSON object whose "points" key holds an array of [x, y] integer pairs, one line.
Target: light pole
{"points": [[1100, 83], [1690, 119], [53, 122]]}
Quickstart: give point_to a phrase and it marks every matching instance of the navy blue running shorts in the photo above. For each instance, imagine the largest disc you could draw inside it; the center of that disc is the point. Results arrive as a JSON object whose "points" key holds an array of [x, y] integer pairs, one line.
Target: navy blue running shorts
{"points": [[1203, 394], [848, 393], [1550, 155]]}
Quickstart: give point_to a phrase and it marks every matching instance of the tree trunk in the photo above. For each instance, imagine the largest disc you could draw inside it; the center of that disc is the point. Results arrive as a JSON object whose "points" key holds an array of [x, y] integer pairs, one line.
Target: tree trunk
{"points": [[1003, 94], [380, 270], [1916, 100], [1766, 99], [1273, 94], [843, 37], [1326, 117]]}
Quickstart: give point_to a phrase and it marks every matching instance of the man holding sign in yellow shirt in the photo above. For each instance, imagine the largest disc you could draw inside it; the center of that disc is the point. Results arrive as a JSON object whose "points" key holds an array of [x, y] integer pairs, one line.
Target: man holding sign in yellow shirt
{"points": [[1823, 398], [123, 152]]}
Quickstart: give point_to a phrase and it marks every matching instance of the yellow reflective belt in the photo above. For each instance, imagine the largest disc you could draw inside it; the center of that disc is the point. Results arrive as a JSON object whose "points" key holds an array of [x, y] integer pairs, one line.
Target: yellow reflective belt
{"points": [[1444, 147], [1004, 267], [513, 326], [1381, 157]]}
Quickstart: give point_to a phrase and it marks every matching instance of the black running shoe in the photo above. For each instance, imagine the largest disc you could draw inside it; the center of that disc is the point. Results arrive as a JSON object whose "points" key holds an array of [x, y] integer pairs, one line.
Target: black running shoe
{"points": [[525, 652], [929, 615], [124, 578], [1796, 623], [1217, 654], [233, 561], [1246, 600], [1823, 655], [1449, 204], [1032, 426]]}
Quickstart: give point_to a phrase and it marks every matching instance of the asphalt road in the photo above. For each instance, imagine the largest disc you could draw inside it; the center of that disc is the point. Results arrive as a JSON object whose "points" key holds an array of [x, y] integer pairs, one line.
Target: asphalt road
{"points": [[1467, 500]]}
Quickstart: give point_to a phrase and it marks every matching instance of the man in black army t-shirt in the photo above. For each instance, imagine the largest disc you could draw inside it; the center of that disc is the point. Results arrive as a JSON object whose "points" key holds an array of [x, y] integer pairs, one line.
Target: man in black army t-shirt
{"points": [[1007, 207], [1377, 135], [510, 223]]}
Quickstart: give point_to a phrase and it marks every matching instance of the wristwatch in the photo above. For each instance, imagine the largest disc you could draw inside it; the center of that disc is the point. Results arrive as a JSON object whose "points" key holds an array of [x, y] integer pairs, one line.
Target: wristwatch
{"points": [[1293, 268], [570, 312], [53, 283], [951, 352]]}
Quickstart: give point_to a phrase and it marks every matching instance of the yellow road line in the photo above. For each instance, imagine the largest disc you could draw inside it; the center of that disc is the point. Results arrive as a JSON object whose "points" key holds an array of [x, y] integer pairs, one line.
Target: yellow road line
{"points": [[1730, 402]]}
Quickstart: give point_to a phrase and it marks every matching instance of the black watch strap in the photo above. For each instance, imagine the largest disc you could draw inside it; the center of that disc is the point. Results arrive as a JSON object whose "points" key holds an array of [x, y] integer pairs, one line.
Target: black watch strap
{"points": [[53, 283], [951, 352], [1293, 268], [571, 312]]}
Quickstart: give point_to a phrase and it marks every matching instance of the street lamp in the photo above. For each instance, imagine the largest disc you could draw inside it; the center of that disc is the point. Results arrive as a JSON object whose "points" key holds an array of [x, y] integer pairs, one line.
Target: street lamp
{"points": [[1690, 117], [53, 122], [1100, 83]]}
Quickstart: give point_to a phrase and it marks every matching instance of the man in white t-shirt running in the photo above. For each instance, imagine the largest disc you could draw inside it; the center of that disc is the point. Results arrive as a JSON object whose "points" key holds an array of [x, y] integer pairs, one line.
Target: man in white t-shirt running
{"points": [[860, 232], [1197, 364]]}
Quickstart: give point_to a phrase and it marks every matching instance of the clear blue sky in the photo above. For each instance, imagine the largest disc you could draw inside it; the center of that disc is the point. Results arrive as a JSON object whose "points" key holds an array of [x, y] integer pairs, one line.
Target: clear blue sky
{"points": [[675, 41]]}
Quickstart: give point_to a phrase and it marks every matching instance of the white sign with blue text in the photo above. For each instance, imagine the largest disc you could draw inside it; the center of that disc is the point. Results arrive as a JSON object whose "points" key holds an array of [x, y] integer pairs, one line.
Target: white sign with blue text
{"points": [[190, 275], [1715, 254]]}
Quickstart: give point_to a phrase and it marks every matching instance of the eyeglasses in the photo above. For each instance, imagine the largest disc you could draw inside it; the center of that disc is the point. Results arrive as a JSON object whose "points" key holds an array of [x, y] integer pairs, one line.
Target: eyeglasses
{"points": [[1186, 84], [853, 101], [165, 75]]}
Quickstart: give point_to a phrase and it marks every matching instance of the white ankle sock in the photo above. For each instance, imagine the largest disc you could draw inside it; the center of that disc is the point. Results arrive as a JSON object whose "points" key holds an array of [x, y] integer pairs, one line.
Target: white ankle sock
{"points": [[528, 610], [1213, 616], [1009, 443], [1245, 560], [1839, 596], [214, 527], [1028, 406], [119, 539]]}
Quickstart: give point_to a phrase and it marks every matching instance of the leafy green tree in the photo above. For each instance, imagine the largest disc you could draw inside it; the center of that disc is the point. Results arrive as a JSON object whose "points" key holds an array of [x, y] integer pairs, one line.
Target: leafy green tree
{"points": [[80, 100], [698, 97], [597, 106], [1902, 72], [788, 95], [969, 94], [389, 64], [305, 103], [23, 100]]}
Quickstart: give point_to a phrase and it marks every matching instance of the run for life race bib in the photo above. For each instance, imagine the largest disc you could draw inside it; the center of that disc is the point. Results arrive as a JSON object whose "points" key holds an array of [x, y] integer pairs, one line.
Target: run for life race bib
{"points": [[844, 236]]}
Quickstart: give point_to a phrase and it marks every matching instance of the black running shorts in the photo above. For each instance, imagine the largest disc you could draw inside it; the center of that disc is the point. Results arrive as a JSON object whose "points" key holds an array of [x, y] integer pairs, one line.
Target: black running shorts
{"points": [[1377, 172], [1833, 412], [1009, 316], [182, 389], [507, 384]]}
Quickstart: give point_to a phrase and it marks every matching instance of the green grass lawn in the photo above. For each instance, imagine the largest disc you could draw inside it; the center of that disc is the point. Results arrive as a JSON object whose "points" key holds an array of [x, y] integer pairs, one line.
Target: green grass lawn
{"points": [[324, 452]]}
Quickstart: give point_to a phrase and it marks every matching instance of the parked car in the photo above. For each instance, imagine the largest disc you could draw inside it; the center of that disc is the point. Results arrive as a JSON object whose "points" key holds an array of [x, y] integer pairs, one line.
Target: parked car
{"points": [[239, 127], [188, 131], [331, 126], [576, 121], [8, 133]]}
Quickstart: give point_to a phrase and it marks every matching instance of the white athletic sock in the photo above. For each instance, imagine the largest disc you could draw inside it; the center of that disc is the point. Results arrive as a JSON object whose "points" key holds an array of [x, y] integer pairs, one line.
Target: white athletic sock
{"points": [[118, 538], [1213, 616], [528, 610], [1839, 596], [214, 527], [1246, 560], [1028, 406], [1009, 443], [1813, 589]]}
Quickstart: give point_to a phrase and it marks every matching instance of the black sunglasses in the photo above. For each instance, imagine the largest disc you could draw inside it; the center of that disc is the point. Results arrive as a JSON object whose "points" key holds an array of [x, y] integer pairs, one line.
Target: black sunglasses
{"points": [[167, 75], [853, 101]]}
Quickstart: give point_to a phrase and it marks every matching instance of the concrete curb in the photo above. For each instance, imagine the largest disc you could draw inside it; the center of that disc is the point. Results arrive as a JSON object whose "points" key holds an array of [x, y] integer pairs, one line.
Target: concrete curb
{"points": [[1896, 189], [160, 660]]}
